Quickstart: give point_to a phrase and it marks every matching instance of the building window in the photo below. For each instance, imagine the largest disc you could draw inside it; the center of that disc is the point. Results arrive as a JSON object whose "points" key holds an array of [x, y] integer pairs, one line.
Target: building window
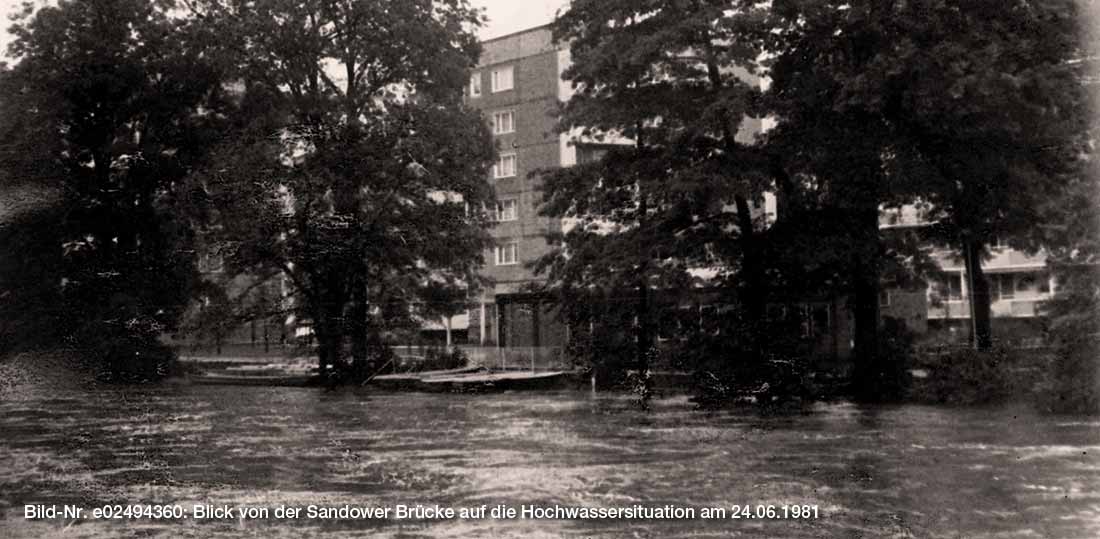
{"points": [[589, 154], [504, 122], [505, 166], [502, 79], [1027, 284], [475, 84], [507, 210], [805, 322], [506, 254], [951, 288], [884, 298], [1005, 285]]}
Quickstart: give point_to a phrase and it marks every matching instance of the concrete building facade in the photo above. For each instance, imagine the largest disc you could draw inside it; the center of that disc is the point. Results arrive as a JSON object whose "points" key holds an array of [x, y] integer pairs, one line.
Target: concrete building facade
{"points": [[518, 88], [1018, 283]]}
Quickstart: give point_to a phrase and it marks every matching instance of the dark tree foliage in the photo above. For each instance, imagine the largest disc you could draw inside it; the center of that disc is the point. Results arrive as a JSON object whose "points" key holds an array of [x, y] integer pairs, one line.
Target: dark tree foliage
{"points": [[1071, 237], [30, 299], [355, 170], [671, 80], [973, 109], [111, 104]]}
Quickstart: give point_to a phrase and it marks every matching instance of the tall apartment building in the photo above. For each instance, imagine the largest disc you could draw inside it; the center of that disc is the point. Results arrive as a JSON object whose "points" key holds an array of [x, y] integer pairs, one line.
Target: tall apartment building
{"points": [[518, 86]]}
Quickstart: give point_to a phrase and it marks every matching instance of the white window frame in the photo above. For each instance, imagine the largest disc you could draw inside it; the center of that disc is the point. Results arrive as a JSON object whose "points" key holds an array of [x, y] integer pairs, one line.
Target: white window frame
{"points": [[498, 129], [500, 170], [498, 82], [502, 252], [884, 295], [475, 84], [502, 214]]}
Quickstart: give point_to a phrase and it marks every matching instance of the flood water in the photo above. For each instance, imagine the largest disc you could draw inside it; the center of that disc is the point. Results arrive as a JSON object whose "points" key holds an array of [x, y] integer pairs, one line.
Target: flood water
{"points": [[906, 471]]}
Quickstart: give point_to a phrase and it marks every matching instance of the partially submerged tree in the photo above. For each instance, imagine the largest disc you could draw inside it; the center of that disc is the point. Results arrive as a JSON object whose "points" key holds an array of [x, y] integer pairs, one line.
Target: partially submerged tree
{"points": [[971, 109], [975, 108], [357, 172], [674, 81], [1074, 311], [1071, 236], [111, 104]]}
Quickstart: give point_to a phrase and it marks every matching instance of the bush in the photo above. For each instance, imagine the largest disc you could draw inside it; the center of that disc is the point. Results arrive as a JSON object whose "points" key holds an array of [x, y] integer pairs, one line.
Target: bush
{"points": [[130, 353], [1075, 379], [967, 376], [890, 378]]}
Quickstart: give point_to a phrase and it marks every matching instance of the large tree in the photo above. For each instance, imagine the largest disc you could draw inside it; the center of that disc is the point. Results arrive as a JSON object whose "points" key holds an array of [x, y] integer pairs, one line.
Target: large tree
{"points": [[835, 158], [1071, 236], [356, 173], [110, 104], [975, 107], [972, 109], [675, 81]]}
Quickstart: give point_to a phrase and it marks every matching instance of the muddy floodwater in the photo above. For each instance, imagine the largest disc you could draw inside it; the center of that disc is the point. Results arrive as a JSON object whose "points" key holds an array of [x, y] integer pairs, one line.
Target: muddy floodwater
{"points": [[903, 471]]}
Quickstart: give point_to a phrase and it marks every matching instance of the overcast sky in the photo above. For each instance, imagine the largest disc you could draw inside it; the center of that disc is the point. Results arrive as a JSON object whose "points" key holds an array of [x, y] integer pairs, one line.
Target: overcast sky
{"points": [[505, 16]]}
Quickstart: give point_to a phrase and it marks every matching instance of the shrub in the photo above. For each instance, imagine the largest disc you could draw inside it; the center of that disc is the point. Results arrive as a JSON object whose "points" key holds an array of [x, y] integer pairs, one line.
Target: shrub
{"points": [[1075, 377], [968, 376], [129, 353], [890, 378]]}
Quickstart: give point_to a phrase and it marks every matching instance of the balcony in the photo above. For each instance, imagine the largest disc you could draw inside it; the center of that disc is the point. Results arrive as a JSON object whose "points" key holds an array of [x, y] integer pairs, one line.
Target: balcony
{"points": [[1002, 308]]}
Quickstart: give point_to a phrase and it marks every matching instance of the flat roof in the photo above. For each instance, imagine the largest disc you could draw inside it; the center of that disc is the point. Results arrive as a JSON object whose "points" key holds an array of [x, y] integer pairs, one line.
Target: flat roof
{"points": [[516, 33]]}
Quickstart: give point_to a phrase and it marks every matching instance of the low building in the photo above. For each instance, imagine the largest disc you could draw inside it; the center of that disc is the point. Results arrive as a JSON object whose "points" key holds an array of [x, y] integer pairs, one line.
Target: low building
{"points": [[1018, 284]]}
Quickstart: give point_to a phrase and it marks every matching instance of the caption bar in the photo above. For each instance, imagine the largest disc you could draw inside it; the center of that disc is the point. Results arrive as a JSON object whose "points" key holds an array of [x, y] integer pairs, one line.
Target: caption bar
{"points": [[417, 512]]}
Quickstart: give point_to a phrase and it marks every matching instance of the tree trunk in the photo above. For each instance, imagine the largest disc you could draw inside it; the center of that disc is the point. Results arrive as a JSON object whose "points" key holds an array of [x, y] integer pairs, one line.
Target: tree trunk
{"points": [[359, 323], [644, 342], [865, 309], [642, 314], [329, 342], [752, 294], [753, 290], [981, 334], [328, 327]]}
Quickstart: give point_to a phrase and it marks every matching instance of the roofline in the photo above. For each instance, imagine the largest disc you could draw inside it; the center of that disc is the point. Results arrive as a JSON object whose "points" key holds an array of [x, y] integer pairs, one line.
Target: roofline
{"points": [[516, 33]]}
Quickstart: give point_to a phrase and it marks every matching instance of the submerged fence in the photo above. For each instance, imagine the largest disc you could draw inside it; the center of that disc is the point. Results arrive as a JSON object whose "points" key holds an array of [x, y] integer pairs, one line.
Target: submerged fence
{"points": [[513, 358]]}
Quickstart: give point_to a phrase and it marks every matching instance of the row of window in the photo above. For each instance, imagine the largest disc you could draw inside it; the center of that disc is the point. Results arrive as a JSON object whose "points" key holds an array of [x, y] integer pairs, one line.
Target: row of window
{"points": [[500, 79], [504, 121], [1002, 286]]}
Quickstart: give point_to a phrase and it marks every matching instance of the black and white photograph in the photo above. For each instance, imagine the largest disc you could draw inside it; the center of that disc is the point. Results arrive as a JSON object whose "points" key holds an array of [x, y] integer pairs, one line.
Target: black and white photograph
{"points": [[550, 268]]}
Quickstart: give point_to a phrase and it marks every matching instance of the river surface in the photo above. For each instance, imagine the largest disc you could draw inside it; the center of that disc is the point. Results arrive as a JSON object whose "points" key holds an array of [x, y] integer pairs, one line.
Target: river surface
{"points": [[906, 471]]}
